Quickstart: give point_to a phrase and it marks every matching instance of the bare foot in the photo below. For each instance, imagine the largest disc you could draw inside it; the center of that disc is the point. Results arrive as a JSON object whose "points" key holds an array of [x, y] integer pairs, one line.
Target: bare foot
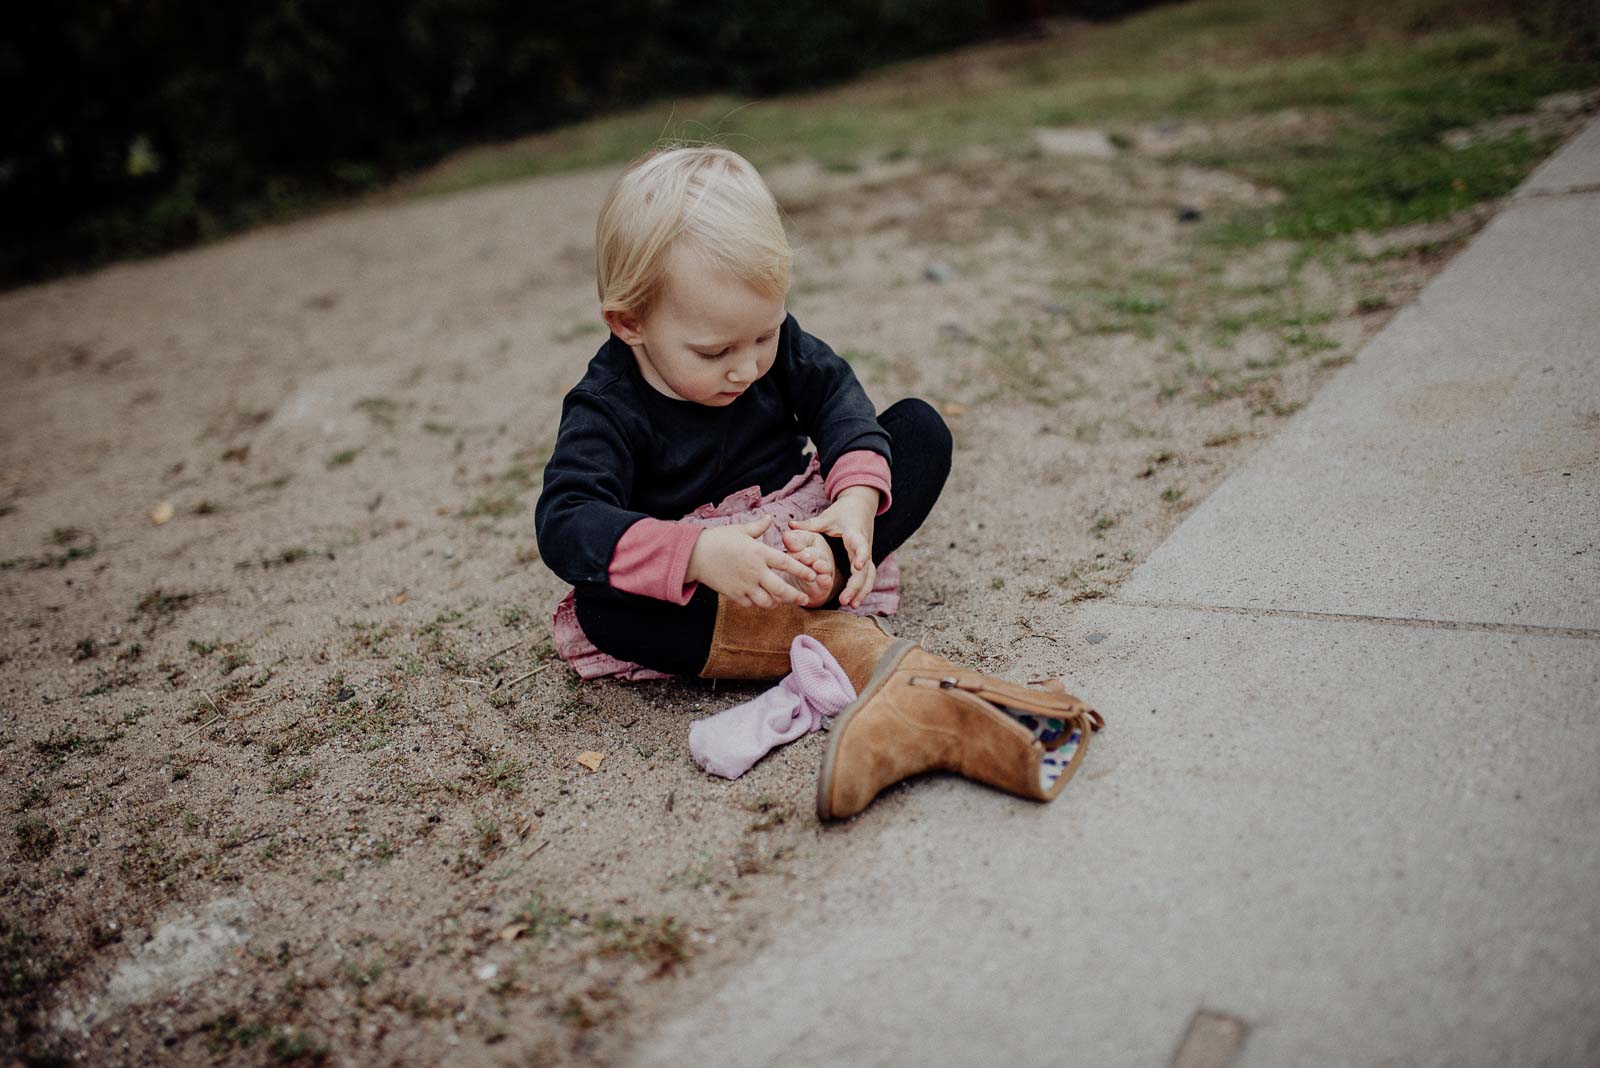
{"points": [[811, 549]]}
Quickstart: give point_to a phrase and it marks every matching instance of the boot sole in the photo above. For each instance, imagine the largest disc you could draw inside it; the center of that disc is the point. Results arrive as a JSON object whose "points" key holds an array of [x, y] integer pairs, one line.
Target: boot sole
{"points": [[880, 674]]}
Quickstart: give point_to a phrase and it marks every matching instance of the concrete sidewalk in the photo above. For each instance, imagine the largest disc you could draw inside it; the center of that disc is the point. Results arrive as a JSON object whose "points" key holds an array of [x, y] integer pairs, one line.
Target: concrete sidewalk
{"points": [[1349, 793]]}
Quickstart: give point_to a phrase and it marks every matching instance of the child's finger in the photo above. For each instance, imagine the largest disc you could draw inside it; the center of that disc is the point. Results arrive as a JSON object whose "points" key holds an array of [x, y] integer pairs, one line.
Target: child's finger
{"points": [[802, 545], [859, 586], [773, 584], [847, 596], [820, 524], [784, 562], [856, 546], [756, 527]]}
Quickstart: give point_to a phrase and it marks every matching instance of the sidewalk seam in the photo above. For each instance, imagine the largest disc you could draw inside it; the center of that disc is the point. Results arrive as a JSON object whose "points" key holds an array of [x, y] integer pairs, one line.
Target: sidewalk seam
{"points": [[1387, 621]]}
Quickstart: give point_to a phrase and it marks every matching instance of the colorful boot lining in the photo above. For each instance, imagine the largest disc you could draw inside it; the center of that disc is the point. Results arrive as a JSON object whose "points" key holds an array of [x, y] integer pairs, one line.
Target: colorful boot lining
{"points": [[1059, 737]]}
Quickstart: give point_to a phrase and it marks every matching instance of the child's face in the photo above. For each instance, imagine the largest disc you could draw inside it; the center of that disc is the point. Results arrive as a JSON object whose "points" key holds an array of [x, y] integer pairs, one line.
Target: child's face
{"points": [[709, 335]]}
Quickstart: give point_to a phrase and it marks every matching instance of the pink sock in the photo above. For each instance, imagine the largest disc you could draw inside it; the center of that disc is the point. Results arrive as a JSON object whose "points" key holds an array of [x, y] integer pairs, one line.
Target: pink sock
{"points": [[730, 742]]}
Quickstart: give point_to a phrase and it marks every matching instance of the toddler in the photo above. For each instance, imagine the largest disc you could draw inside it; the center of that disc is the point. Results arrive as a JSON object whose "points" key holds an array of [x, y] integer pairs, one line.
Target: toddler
{"points": [[679, 478], [702, 540]]}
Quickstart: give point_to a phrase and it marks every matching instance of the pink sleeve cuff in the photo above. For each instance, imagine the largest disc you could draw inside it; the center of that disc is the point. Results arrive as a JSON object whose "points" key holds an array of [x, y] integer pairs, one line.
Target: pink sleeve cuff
{"points": [[652, 557], [863, 467]]}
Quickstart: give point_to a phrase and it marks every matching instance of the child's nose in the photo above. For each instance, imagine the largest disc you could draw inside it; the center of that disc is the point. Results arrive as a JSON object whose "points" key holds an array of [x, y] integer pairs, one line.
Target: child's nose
{"points": [[743, 371]]}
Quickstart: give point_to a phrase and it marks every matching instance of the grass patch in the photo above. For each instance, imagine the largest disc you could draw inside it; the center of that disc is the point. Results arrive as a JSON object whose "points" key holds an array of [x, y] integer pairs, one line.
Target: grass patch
{"points": [[659, 941], [861, 359], [381, 410], [492, 506], [27, 964], [342, 458], [1390, 78], [65, 742], [36, 839], [505, 775], [293, 778], [541, 918], [50, 560], [159, 605], [228, 1033]]}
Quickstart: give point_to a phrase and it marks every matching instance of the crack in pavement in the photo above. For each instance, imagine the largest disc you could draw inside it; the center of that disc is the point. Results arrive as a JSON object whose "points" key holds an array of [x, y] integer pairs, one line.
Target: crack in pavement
{"points": [[1389, 621]]}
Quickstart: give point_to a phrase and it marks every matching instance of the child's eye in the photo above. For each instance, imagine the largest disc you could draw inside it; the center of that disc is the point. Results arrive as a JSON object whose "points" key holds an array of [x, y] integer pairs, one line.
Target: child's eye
{"points": [[718, 354]]}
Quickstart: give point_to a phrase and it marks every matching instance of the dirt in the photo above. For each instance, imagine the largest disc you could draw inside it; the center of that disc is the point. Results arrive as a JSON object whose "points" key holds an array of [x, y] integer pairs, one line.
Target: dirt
{"points": [[321, 695]]}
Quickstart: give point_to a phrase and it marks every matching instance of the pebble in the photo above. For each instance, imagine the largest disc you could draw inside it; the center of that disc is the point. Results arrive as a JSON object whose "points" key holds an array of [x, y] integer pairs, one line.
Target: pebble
{"points": [[1096, 638], [486, 972], [939, 272], [1070, 141], [1189, 215]]}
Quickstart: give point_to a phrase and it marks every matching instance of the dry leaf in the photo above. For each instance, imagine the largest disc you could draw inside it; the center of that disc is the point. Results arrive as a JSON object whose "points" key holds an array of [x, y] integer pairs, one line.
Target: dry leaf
{"points": [[401, 598], [954, 408], [162, 512], [591, 759], [528, 828], [512, 932]]}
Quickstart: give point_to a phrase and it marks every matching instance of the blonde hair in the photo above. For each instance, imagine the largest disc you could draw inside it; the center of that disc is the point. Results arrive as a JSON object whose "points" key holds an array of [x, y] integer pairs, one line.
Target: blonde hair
{"points": [[707, 196]]}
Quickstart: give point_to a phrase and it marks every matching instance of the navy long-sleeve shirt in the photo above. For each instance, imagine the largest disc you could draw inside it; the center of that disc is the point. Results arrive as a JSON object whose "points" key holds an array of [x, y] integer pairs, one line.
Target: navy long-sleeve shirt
{"points": [[625, 452]]}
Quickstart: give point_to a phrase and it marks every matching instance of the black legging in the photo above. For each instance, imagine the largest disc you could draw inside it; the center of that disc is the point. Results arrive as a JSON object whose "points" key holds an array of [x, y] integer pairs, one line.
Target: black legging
{"points": [[676, 638]]}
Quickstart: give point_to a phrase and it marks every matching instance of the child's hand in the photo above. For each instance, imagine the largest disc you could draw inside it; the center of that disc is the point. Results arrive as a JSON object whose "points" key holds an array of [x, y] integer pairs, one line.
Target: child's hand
{"points": [[812, 550], [734, 561], [850, 518]]}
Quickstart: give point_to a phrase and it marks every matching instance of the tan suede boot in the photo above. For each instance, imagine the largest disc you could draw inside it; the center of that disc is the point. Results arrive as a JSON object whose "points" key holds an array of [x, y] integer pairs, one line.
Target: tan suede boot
{"points": [[753, 643], [919, 712]]}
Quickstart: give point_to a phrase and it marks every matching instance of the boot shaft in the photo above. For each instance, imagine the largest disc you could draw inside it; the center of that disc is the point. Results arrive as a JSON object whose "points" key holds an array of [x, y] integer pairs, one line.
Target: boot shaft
{"points": [[753, 643]]}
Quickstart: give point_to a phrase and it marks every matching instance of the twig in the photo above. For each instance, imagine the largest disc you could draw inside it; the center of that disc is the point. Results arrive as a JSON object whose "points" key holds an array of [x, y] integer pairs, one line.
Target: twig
{"points": [[1035, 632], [538, 847], [200, 727], [497, 652], [525, 678]]}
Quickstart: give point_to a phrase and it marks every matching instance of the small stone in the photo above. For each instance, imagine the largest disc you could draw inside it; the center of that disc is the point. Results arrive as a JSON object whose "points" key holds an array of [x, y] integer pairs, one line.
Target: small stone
{"points": [[1189, 215], [344, 694], [939, 272], [1069, 141], [1096, 638]]}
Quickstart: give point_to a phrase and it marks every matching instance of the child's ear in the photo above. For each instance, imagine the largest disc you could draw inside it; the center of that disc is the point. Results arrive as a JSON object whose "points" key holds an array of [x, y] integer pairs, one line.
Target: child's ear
{"points": [[626, 326]]}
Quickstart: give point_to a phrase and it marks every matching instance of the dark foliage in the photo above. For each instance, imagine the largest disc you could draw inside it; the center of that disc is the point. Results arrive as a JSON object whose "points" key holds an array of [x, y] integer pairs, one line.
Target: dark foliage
{"points": [[137, 125]]}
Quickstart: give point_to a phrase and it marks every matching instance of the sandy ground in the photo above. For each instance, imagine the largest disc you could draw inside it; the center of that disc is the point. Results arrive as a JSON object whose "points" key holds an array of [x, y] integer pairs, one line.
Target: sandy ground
{"points": [[292, 775]]}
